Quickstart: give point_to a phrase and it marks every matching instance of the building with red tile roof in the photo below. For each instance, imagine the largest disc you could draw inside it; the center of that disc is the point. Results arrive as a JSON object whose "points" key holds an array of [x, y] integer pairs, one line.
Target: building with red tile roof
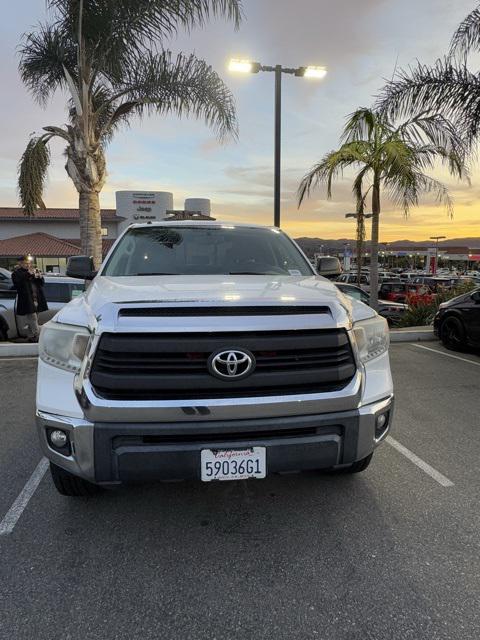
{"points": [[50, 236]]}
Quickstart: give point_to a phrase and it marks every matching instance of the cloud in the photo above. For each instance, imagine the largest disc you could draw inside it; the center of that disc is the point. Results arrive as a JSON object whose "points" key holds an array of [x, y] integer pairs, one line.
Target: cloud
{"points": [[358, 40]]}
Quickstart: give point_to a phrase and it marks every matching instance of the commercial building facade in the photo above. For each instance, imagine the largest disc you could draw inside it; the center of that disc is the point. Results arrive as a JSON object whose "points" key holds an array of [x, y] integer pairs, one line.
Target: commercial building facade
{"points": [[53, 235]]}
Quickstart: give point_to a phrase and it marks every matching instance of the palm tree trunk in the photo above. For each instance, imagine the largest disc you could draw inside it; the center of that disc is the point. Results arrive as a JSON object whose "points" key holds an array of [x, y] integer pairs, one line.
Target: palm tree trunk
{"points": [[359, 250], [360, 235], [90, 226], [374, 248]]}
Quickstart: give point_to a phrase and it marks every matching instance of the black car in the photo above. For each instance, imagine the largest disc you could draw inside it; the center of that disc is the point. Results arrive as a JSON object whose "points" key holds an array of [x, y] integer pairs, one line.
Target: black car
{"points": [[457, 322], [437, 284]]}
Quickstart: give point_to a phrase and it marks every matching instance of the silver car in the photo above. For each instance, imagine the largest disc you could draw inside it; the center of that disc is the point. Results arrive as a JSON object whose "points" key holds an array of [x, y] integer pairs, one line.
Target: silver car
{"points": [[58, 291], [5, 279], [391, 311]]}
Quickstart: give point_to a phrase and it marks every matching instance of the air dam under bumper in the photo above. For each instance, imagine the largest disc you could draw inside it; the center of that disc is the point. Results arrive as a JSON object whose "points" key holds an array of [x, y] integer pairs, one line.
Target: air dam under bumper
{"points": [[113, 453]]}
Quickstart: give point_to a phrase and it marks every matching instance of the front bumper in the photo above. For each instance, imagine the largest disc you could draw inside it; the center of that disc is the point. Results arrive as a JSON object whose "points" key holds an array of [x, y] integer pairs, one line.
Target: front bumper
{"points": [[111, 453]]}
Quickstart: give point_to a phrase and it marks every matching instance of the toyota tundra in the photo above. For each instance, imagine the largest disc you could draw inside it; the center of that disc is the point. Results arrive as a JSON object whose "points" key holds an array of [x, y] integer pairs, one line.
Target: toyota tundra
{"points": [[209, 351]]}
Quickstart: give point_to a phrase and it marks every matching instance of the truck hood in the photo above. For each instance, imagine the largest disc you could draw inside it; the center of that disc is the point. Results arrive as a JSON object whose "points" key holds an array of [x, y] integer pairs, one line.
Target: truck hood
{"points": [[107, 295]]}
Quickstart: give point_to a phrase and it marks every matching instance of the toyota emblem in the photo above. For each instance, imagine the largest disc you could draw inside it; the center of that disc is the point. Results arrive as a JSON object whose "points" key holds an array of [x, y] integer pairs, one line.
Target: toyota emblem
{"points": [[231, 364]]}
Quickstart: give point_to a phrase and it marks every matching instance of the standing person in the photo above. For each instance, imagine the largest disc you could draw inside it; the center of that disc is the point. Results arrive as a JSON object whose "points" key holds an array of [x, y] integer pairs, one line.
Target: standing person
{"points": [[30, 297]]}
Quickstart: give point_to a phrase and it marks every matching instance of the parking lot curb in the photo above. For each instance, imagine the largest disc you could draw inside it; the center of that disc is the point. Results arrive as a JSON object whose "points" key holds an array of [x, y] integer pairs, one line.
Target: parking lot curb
{"points": [[11, 350], [413, 334]]}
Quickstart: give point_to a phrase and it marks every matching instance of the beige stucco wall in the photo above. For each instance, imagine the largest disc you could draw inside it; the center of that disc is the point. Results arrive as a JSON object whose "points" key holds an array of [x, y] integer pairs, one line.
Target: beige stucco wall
{"points": [[58, 229]]}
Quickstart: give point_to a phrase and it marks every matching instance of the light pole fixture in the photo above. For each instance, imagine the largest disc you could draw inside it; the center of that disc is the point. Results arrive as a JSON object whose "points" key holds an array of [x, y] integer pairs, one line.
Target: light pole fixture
{"points": [[247, 66], [437, 238]]}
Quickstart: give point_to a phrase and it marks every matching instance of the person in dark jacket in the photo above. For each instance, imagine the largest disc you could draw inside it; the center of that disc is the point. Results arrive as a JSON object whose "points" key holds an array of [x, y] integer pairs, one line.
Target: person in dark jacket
{"points": [[30, 298]]}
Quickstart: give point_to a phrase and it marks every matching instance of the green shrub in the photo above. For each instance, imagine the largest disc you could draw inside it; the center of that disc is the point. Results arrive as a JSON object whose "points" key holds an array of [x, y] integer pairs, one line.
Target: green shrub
{"points": [[423, 314]]}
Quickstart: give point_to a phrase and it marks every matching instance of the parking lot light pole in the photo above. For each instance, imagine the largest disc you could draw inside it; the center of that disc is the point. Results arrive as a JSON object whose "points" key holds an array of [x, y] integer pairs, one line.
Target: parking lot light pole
{"points": [[437, 238], [246, 66]]}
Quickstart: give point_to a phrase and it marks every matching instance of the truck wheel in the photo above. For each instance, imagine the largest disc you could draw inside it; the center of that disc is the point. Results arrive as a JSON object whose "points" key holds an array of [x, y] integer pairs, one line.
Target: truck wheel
{"points": [[69, 485], [3, 334], [452, 333], [356, 467]]}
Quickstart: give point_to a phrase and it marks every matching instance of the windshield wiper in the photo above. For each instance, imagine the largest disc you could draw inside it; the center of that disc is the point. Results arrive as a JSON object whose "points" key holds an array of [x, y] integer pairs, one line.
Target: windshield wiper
{"points": [[158, 273]]}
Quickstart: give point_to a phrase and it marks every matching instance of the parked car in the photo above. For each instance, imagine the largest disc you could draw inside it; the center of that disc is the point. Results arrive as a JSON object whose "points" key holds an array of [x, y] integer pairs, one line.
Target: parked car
{"points": [[457, 322], [436, 283], [391, 311], [58, 291], [351, 278], [5, 279], [238, 365], [408, 276], [387, 275], [406, 293]]}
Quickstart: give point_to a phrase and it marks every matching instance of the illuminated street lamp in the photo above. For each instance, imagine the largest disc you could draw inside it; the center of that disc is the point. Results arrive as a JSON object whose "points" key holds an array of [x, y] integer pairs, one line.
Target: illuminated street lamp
{"points": [[312, 72]]}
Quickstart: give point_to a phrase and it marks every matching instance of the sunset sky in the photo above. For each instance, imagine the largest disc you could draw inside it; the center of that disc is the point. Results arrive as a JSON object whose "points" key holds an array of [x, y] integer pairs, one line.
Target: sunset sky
{"points": [[359, 41]]}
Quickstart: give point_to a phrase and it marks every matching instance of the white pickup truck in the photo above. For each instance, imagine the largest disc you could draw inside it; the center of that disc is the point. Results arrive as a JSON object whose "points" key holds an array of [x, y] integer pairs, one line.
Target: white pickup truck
{"points": [[209, 351]]}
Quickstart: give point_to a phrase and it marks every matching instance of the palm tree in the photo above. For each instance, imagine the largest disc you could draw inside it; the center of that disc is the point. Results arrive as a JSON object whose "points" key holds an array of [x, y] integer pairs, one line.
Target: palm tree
{"points": [[392, 158], [108, 57], [448, 87]]}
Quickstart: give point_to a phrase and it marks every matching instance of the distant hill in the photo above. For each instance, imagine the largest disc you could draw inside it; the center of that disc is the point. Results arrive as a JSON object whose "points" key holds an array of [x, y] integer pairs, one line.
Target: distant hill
{"points": [[319, 245]]}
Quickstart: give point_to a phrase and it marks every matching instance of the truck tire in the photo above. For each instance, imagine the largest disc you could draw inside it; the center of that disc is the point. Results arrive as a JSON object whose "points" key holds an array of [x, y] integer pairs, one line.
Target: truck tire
{"points": [[356, 467], [3, 333], [70, 485]]}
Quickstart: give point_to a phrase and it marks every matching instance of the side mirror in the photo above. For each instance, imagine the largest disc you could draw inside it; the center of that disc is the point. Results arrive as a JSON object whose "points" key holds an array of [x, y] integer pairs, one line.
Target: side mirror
{"points": [[476, 296], [81, 267], [329, 267]]}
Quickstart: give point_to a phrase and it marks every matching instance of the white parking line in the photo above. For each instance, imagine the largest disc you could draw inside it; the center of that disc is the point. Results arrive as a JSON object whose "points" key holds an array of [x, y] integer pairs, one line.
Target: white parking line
{"points": [[18, 507], [424, 466], [442, 353]]}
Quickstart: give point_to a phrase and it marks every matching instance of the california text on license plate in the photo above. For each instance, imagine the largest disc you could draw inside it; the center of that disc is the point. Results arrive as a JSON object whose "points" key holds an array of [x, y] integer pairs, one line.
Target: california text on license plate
{"points": [[233, 464]]}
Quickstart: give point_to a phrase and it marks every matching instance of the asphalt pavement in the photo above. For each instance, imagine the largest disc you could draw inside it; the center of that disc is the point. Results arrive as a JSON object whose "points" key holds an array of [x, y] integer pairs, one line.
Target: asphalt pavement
{"points": [[388, 554]]}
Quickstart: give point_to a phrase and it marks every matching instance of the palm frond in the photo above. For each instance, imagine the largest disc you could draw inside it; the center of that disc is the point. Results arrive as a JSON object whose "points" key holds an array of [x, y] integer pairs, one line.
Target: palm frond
{"points": [[445, 89], [32, 174], [433, 129], [182, 85], [117, 32], [438, 189], [152, 17], [358, 188], [44, 54], [408, 182], [331, 165], [467, 36], [360, 125]]}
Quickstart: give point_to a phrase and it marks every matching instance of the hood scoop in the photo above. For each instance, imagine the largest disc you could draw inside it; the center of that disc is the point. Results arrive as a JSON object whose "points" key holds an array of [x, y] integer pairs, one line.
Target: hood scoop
{"points": [[179, 311]]}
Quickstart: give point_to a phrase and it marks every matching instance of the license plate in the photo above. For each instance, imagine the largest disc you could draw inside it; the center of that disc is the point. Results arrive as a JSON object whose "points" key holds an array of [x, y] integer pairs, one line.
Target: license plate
{"points": [[233, 464]]}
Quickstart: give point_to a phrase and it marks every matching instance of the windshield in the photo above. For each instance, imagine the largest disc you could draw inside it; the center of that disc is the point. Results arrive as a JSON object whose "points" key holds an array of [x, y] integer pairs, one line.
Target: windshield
{"points": [[208, 250]]}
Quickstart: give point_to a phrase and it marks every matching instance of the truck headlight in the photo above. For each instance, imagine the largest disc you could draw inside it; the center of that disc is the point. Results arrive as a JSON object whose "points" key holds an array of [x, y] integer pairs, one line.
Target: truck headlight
{"points": [[63, 346], [372, 336]]}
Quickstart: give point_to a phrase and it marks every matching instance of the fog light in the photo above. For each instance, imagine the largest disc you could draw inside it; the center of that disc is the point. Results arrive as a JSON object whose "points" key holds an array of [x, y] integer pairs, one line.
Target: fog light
{"points": [[381, 421], [58, 438], [381, 425]]}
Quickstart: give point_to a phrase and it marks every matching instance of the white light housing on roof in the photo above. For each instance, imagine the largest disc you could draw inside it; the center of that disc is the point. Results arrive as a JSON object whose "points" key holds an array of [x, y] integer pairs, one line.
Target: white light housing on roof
{"points": [[243, 66], [315, 72]]}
